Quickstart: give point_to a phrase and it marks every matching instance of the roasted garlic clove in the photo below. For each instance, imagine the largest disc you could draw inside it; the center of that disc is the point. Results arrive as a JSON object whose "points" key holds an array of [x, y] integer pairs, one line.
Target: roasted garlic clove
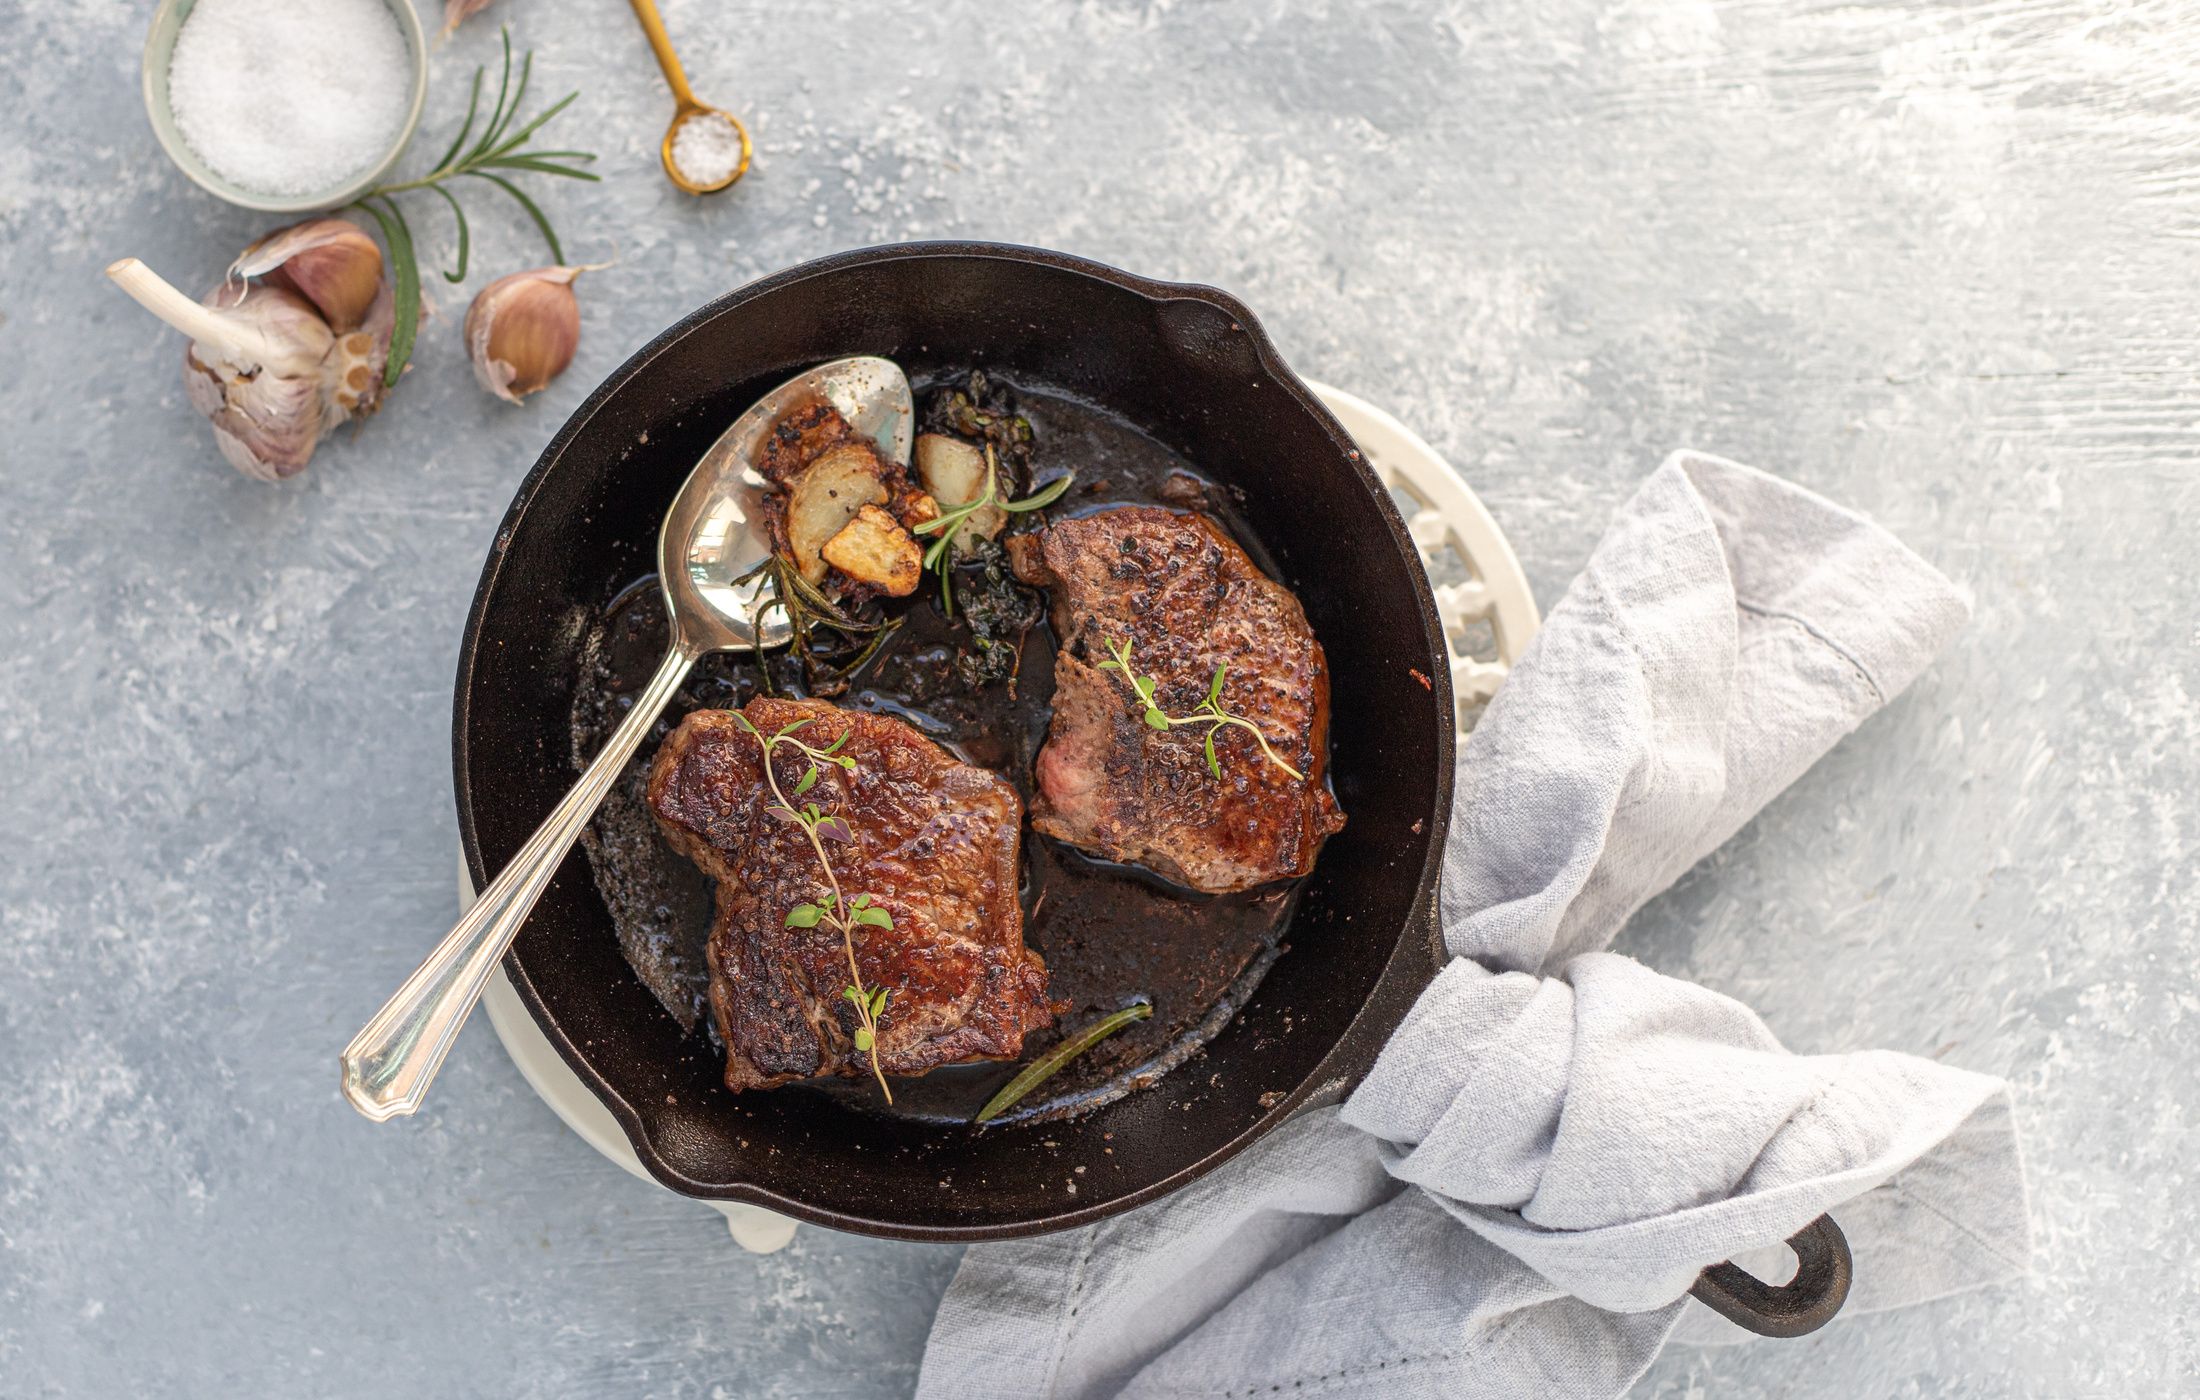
{"points": [[522, 330]]}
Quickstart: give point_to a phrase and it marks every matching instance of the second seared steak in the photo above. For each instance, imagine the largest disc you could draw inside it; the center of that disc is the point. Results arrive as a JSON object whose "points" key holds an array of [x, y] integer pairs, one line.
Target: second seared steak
{"points": [[1186, 599], [934, 842]]}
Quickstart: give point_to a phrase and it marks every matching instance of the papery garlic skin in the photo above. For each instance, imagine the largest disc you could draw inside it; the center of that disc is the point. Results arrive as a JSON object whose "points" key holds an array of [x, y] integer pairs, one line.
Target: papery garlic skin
{"points": [[522, 330], [456, 13], [266, 423]]}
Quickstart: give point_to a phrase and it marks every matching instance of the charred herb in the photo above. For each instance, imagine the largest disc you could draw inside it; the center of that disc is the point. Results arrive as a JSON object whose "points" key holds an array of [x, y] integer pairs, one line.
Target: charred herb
{"points": [[999, 611], [1209, 712], [830, 909], [985, 413]]}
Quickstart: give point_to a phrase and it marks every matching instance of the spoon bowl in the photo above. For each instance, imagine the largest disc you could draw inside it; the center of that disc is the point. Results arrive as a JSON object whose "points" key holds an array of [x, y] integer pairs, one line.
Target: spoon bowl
{"points": [[712, 539]]}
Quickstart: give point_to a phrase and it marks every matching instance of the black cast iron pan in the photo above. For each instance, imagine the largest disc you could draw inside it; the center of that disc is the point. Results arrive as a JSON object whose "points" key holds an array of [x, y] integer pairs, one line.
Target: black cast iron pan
{"points": [[1188, 365]]}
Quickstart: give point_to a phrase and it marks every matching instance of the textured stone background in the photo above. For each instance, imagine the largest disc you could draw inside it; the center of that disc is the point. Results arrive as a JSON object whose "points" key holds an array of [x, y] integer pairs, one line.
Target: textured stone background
{"points": [[1935, 260]]}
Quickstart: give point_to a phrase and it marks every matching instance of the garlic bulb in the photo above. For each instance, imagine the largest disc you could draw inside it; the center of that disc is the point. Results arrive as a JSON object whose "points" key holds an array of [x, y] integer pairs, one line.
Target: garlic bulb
{"points": [[331, 263], [275, 365], [523, 329]]}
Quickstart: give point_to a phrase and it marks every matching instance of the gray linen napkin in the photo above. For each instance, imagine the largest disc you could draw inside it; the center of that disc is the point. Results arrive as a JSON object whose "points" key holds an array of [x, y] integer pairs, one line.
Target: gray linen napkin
{"points": [[1557, 1139]]}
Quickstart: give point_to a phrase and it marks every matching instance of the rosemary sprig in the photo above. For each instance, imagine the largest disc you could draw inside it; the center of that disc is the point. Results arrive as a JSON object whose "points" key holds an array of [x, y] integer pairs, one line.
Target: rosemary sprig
{"points": [[1209, 711], [831, 909], [815, 621], [949, 523], [500, 148], [1049, 1064]]}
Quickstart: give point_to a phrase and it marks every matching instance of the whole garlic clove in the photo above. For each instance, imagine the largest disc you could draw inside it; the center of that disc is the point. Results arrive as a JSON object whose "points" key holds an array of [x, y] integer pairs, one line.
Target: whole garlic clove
{"points": [[522, 330], [331, 263]]}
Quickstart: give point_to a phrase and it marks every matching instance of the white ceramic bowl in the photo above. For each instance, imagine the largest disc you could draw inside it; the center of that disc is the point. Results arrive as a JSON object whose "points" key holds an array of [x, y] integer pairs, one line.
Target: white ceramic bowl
{"points": [[160, 43]]}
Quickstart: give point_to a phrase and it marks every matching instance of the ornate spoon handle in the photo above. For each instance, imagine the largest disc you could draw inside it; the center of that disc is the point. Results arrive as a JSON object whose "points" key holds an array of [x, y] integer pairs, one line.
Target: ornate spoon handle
{"points": [[391, 1062]]}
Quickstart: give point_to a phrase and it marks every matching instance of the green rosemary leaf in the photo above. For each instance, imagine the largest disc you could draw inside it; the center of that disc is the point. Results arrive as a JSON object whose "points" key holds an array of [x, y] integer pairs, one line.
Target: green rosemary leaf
{"points": [[496, 111], [534, 211], [464, 241], [1214, 764], [835, 745], [1214, 687], [539, 167], [1049, 1064], [1045, 496], [804, 916], [473, 105], [519, 138], [743, 721], [795, 727], [405, 275], [506, 109]]}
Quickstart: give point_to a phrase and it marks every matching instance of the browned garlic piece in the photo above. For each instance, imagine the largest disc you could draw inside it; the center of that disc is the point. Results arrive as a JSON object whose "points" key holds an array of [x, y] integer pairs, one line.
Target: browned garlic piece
{"points": [[873, 548], [276, 364], [522, 330]]}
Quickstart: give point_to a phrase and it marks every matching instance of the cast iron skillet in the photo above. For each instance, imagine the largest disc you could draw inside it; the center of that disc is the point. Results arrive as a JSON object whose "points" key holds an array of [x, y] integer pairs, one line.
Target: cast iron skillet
{"points": [[1190, 366]]}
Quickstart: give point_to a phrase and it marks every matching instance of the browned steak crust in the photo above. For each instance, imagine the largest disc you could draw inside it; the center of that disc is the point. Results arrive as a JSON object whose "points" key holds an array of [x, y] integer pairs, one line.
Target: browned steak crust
{"points": [[936, 845], [1186, 598]]}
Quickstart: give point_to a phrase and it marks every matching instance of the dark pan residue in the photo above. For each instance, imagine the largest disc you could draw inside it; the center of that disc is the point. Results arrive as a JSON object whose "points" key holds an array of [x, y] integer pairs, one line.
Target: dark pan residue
{"points": [[1110, 934]]}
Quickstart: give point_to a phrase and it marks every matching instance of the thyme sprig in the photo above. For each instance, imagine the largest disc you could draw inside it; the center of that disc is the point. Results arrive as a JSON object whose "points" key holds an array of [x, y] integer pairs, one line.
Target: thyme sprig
{"points": [[501, 150], [1209, 712], [832, 909], [949, 523]]}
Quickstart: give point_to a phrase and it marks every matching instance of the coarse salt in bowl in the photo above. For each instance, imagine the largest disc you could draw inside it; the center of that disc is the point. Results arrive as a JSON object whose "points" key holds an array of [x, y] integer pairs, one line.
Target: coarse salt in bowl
{"points": [[285, 105]]}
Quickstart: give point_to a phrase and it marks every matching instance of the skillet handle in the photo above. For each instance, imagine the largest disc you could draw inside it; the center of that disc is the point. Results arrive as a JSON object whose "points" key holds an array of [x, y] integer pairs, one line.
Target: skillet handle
{"points": [[1802, 1305]]}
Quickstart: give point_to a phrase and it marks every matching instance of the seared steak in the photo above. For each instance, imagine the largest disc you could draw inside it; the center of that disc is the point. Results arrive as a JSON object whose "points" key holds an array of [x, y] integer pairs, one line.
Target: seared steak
{"points": [[1186, 599], [935, 844]]}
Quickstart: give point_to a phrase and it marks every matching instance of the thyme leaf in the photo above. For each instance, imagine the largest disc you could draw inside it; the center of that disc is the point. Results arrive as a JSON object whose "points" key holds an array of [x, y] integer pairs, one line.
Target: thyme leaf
{"points": [[828, 909], [949, 523], [1209, 712]]}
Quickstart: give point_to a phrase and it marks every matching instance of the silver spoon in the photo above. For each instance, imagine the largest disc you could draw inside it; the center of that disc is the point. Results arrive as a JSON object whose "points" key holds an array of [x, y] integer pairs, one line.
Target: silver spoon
{"points": [[711, 537]]}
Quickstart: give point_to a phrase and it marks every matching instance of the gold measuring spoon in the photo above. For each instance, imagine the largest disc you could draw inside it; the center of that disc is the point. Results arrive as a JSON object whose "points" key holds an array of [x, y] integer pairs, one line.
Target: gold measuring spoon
{"points": [[687, 109]]}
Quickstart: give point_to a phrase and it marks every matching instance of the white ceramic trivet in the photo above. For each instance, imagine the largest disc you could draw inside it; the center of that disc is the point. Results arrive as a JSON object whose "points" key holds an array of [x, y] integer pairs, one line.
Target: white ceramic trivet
{"points": [[1488, 614]]}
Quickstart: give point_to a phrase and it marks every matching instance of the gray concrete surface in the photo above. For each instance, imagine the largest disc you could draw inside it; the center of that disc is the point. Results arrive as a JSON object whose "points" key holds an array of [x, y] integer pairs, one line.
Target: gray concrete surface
{"points": [[1935, 260]]}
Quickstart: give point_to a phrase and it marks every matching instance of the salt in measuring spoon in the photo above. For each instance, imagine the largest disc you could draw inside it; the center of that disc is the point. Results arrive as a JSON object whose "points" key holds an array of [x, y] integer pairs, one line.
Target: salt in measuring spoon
{"points": [[686, 108]]}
